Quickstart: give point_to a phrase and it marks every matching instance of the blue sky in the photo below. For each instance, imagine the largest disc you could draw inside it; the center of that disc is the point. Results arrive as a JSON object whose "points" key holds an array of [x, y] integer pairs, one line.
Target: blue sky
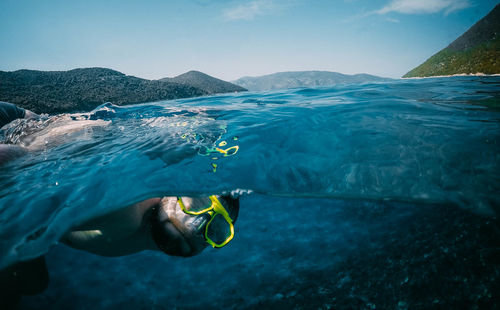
{"points": [[231, 38]]}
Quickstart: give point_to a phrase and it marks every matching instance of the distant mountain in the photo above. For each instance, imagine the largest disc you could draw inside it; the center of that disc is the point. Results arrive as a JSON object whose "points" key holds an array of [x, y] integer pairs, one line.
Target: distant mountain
{"points": [[282, 80], [476, 51], [205, 82], [82, 90]]}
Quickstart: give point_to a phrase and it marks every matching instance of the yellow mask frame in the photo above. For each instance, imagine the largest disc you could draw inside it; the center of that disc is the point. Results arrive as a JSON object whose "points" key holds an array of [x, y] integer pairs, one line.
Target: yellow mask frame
{"points": [[215, 208]]}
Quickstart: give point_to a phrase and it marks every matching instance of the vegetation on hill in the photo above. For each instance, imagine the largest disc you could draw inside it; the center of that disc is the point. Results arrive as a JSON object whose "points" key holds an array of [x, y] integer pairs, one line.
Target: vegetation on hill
{"points": [[205, 82], [81, 90], [476, 51]]}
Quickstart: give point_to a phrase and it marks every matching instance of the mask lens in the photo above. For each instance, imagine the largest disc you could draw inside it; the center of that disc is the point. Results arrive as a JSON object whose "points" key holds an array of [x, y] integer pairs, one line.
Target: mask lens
{"points": [[219, 230], [196, 205]]}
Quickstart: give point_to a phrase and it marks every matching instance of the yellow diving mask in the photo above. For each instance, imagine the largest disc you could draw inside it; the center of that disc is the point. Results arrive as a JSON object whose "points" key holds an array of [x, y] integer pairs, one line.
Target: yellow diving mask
{"points": [[220, 229]]}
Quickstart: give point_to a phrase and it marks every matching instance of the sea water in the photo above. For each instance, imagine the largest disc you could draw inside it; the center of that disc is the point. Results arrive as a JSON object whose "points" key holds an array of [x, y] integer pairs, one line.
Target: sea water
{"points": [[380, 195]]}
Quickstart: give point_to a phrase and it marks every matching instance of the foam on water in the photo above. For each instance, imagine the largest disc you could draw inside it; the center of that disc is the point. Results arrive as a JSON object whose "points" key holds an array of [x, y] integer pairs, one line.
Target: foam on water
{"points": [[418, 141]]}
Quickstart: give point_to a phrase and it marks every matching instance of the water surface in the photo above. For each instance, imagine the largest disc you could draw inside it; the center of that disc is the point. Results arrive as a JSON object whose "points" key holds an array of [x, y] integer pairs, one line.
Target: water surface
{"points": [[430, 142]]}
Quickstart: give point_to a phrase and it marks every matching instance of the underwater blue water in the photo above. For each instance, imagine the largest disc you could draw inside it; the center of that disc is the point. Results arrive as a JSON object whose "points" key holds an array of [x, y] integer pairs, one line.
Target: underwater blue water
{"points": [[300, 253], [419, 142]]}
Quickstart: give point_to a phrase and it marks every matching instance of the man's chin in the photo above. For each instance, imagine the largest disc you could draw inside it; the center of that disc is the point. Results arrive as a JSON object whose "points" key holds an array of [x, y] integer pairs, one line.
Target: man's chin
{"points": [[182, 243]]}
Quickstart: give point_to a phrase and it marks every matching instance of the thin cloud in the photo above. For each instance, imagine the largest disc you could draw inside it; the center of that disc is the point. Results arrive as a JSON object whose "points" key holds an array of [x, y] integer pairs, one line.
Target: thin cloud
{"points": [[424, 6], [392, 20], [249, 10]]}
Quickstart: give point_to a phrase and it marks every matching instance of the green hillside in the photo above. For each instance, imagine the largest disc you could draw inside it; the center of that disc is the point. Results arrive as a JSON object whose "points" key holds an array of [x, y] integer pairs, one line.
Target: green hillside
{"points": [[81, 90], [476, 51]]}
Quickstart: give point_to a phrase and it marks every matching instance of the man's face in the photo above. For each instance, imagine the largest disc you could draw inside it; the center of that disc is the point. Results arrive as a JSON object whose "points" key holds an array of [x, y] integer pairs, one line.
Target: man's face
{"points": [[184, 231]]}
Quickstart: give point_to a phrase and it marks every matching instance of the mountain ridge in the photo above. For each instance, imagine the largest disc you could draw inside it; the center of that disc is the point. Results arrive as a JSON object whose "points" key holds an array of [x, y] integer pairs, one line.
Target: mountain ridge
{"points": [[83, 89], [312, 78], [205, 82]]}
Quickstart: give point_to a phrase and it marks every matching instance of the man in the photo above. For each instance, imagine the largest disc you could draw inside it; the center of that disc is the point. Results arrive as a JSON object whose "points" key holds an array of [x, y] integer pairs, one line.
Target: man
{"points": [[179, 226]]}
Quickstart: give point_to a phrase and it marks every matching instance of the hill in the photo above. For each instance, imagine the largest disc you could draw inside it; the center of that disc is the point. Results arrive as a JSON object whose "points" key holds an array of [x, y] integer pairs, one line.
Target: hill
{"points": [[205, 82], [475, 51], [82, 90], [282, 80]]}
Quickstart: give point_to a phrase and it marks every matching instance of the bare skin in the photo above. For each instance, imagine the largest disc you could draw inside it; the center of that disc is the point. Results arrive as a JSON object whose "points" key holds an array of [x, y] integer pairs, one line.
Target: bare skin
{"points": [[29, 114], [128, 231], [61, 129], [120, 233], [9, 152]]}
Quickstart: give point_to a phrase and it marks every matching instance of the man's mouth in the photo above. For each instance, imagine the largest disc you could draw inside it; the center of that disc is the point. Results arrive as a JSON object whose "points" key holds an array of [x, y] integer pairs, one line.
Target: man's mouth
{"points": [[180, 242]]}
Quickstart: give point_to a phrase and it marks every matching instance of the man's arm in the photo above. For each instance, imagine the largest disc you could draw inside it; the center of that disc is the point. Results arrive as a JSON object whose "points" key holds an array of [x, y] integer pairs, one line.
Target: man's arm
{"points": [[29, 114], [122, 232]]}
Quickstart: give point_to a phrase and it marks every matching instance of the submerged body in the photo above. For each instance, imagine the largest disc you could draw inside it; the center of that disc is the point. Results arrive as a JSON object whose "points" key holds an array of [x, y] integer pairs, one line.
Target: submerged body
{"points": [[9, 113], [122, 232], [153, 224], [162, 224], [158, 224]]}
